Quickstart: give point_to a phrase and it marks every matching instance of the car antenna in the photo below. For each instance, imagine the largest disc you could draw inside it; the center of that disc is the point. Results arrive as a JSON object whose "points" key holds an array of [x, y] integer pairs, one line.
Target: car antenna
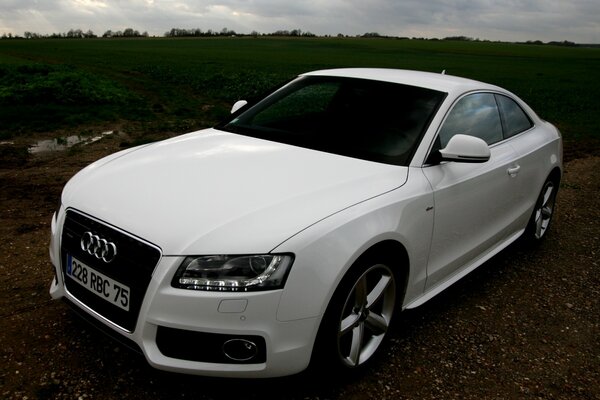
{"points": [[444, 72]]}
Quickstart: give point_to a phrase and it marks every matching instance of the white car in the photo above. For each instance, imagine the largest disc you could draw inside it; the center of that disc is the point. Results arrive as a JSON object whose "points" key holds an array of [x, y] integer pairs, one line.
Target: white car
{"points": [[295, 231]]}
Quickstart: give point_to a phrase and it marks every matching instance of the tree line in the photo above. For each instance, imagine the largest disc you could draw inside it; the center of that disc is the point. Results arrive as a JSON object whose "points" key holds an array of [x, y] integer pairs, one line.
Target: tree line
{"points": [[77, 34], [133, 33], [197, 32]]}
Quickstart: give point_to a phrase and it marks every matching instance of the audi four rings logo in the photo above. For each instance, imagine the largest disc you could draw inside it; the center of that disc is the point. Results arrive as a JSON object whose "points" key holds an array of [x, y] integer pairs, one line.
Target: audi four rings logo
{"points": [[96, 246]]}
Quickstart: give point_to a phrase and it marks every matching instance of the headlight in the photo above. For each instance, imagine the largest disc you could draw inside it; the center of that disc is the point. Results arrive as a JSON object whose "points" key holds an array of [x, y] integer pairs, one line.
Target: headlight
{"points": [[233, 273]]}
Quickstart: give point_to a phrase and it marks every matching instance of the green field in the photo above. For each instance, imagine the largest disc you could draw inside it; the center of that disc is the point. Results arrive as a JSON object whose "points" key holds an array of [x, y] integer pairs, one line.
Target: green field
{"points": [[162, 85]]}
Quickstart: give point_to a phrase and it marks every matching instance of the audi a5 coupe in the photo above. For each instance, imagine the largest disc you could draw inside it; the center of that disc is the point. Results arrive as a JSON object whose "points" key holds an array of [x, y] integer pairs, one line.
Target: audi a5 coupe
{"points": [[293, 233]]}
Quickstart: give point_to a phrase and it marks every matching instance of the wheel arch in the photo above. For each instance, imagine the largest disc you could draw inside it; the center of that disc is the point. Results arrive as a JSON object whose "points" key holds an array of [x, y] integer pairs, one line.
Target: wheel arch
{"points": [[388, 251], [555, 175], [394, 253]]}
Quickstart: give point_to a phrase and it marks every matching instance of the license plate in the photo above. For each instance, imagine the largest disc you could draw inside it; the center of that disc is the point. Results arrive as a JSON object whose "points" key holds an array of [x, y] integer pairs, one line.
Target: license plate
{"points": [[101, 285]]}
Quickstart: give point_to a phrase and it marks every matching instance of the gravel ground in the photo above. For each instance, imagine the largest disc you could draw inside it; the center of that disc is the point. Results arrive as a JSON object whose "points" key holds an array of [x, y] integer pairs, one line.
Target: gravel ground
{"points": [[526, 325]]}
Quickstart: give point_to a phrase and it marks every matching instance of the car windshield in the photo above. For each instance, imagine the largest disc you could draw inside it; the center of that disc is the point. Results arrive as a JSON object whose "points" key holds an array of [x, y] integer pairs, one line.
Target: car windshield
{"points": [[366, 119]]}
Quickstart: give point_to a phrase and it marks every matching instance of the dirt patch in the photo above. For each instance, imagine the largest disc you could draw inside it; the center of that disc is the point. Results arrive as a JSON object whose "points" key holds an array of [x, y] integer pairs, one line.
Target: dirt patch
{"points": [[524, 325]]}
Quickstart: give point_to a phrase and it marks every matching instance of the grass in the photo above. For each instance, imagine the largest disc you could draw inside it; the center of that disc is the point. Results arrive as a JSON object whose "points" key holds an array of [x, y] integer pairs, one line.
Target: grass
{"points": [[179, 84], [42, 95]]}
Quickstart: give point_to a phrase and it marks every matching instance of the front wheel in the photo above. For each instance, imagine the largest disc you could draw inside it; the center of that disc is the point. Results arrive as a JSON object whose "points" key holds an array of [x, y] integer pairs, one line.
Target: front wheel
{"points": [[359, 317]]}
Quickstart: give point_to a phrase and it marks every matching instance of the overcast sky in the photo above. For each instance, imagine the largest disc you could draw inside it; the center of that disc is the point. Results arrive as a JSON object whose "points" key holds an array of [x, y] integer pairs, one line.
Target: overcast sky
{"points": [[509, 20]]}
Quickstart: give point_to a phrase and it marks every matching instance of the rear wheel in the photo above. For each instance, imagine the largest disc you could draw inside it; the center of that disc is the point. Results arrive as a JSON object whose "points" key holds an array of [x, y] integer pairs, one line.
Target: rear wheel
{"points": [[358, 318], [543, 211]]}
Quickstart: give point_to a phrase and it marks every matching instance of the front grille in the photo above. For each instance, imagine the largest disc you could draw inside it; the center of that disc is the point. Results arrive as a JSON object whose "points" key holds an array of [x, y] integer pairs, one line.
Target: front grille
{"points": [[133, 266]]}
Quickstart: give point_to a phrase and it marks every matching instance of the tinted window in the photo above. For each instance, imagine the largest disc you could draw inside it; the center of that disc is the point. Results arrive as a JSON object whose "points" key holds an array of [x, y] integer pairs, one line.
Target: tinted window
{"points": [[475, 115], [372, 120], [514, 118], [310, 100]]}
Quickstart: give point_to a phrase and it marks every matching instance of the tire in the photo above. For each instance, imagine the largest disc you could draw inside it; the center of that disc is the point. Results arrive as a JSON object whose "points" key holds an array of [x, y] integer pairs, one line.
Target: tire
{"points": [[542, 213], [358, 318]]}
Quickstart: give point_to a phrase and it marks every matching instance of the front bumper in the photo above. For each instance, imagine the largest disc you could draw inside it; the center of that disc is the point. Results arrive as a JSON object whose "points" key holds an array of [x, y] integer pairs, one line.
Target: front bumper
{"points": [[204, 319]]}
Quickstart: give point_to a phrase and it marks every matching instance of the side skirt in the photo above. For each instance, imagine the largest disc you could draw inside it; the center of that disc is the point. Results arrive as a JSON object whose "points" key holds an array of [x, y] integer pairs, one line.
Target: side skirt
{"points": [[461, 273]]}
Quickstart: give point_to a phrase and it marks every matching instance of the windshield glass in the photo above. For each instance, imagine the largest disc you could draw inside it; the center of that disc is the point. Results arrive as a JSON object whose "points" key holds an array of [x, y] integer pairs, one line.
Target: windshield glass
{"points": [[371, 120]]}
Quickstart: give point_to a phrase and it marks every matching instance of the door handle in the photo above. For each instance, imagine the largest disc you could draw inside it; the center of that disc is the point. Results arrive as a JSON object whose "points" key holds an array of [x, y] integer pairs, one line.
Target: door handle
{"points": [[513, 171]]}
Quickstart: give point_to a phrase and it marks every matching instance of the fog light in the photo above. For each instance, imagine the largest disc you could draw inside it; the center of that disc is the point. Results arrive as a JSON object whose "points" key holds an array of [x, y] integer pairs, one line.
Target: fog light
{"points": [[211, 347], [240, 349]]}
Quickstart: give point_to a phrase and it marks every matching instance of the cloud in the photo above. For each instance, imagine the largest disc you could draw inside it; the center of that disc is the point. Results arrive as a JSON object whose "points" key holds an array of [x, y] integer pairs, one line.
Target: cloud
{"points": [[486, 19]]}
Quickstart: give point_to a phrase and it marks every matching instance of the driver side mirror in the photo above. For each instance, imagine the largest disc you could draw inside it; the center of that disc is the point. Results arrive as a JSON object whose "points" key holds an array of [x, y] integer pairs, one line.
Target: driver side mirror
{"points": [[238, 104], [465, 148]]}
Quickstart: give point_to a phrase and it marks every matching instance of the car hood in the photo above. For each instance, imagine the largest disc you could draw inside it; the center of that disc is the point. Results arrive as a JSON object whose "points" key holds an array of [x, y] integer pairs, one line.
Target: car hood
{"points": [[213, 192]]}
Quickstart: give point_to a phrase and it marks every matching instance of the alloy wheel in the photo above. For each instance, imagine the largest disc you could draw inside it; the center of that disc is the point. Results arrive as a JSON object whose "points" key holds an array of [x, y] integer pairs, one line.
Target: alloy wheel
{"points": [[366, 315], [544, 209]]}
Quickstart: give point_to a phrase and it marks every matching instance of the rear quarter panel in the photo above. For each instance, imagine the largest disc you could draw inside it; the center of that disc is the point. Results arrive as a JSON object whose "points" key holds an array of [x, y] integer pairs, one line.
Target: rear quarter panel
{"points": [[539, 151]]}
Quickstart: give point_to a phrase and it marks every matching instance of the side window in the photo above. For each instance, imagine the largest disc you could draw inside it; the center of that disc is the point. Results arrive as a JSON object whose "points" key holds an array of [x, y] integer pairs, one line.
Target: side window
{"points": [[475, 115], [514, 118]]}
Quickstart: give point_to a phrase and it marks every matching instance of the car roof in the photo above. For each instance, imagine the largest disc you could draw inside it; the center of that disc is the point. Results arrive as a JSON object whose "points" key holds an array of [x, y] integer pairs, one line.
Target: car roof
{"points": [[436, 81]]}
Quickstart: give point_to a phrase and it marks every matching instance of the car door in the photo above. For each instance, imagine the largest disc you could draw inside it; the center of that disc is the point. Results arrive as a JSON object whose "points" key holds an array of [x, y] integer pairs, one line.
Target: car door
{"points": [[472, 201]]}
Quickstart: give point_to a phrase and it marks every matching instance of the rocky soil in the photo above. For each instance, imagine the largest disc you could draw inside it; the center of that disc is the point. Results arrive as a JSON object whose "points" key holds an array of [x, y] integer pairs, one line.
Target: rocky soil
{"points": [[526, 325]]}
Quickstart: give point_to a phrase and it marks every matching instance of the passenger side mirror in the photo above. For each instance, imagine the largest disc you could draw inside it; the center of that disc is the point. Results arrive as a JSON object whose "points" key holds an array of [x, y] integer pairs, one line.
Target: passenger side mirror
{"points": [[465, 148], [238, 104]]}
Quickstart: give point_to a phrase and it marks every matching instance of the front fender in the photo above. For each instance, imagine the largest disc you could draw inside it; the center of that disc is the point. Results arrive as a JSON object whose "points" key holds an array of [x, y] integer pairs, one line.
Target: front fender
{"points": [[325, 251]]}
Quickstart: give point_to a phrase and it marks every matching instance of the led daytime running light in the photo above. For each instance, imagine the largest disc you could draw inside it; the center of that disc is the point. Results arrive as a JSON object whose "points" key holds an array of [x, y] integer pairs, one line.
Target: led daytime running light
{"points": [[233, 273]]}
